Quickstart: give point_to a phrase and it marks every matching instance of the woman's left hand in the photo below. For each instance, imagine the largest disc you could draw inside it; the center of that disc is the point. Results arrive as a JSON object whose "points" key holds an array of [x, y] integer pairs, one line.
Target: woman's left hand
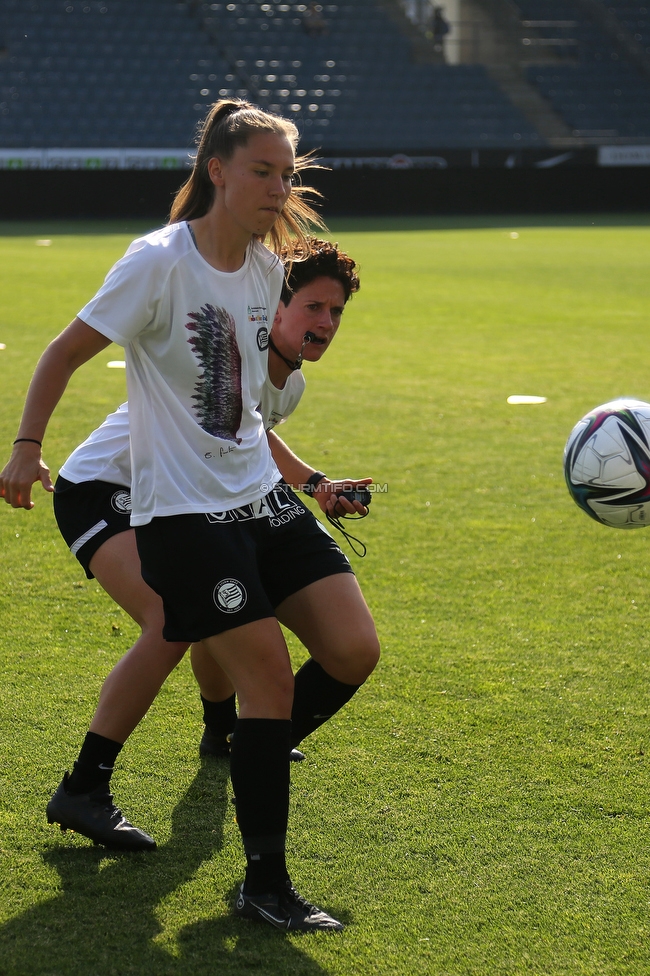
{"points": [[330, 502]]}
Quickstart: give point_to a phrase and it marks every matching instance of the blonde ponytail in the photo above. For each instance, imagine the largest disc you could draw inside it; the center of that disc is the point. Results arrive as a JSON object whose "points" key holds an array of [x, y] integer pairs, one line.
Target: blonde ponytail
{"points": [[231, 123]]}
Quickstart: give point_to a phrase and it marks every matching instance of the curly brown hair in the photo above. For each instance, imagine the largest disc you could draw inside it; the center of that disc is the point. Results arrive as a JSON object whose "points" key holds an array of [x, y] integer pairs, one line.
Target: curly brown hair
{"points": [[230, 123], [313, 259]]}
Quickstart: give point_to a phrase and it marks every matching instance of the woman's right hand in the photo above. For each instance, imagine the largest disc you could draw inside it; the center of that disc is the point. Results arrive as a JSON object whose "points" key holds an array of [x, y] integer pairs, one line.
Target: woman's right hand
{"points": [[75, 346], [22, 470]]}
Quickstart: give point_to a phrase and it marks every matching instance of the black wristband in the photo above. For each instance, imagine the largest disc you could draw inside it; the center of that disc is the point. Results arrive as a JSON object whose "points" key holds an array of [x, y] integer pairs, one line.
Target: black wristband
{"points": [[309, 486], [31, 440]]}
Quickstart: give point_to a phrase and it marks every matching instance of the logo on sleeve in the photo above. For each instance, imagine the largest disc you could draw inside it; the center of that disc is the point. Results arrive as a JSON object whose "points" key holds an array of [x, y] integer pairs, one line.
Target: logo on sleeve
{"points": [[229, 595], [121, 502]]}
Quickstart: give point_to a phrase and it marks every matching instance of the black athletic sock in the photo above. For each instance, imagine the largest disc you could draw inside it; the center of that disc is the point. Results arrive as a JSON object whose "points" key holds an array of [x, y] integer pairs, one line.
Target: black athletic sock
{"points": [[95, 763], [259, 770], [316, 697], [220, 716]]}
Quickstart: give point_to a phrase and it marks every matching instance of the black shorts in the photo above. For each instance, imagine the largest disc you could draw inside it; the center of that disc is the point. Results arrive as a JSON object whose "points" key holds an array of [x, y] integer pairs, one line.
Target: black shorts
{"points": [[216, 572], [90, 513]]}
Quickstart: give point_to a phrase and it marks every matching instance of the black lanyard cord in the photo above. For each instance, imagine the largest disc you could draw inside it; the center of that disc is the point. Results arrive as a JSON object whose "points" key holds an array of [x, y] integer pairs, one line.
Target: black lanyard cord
{"points": [[349, 538]]}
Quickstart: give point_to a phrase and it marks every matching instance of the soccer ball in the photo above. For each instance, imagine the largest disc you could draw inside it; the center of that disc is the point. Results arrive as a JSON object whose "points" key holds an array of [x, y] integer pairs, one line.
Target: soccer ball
{"points": [[607, 464]]}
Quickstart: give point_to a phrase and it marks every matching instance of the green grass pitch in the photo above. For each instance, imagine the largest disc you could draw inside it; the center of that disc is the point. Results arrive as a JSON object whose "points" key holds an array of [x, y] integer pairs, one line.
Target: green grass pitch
{"points": [[483, 805]]}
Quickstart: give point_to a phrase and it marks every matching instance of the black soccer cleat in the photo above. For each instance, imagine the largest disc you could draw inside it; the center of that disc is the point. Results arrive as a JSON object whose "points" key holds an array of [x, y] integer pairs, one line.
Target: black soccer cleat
{"points": [[95, 816], [285, 910], [214, 745], [219, 746]]}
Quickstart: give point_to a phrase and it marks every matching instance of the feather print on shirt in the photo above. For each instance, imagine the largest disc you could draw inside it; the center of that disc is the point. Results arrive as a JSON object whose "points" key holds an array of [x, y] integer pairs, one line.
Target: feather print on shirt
{"points": [[218, 390]]}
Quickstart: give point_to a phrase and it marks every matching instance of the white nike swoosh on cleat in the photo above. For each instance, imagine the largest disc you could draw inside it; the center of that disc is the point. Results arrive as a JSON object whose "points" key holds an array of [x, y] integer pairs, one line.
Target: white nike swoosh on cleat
{"points": [[109, 769], [282, 923]]}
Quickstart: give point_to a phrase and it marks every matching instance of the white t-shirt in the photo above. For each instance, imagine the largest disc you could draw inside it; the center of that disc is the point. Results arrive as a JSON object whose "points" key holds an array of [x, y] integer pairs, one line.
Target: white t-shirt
{"points": [[276, 405], [196, 361], [105, 455]]}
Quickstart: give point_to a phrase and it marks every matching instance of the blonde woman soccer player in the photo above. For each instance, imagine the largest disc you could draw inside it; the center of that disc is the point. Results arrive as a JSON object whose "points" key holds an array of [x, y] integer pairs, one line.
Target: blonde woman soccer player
{"points": [[226, 545]]}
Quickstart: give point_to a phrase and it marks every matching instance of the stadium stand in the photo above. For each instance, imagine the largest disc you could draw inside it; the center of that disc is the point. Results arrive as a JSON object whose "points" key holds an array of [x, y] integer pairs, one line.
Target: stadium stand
{"points": [[597, 90], [101, 74], [355, 86], [634, 17], [116, 73]]}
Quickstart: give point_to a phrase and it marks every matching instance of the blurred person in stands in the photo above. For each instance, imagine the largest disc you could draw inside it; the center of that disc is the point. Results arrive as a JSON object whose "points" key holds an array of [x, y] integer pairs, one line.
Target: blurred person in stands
{"points": [[440, 28], [313, 22]]}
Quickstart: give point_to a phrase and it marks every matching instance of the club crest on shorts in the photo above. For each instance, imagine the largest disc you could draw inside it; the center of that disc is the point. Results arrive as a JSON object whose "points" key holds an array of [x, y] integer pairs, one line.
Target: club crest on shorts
{"points": [[230, 595], [121, 502]]}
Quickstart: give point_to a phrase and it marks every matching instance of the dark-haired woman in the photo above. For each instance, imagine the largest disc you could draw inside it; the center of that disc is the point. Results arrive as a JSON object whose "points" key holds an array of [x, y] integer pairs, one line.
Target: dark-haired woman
{"points": [[220, 539], [92, 508]]}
